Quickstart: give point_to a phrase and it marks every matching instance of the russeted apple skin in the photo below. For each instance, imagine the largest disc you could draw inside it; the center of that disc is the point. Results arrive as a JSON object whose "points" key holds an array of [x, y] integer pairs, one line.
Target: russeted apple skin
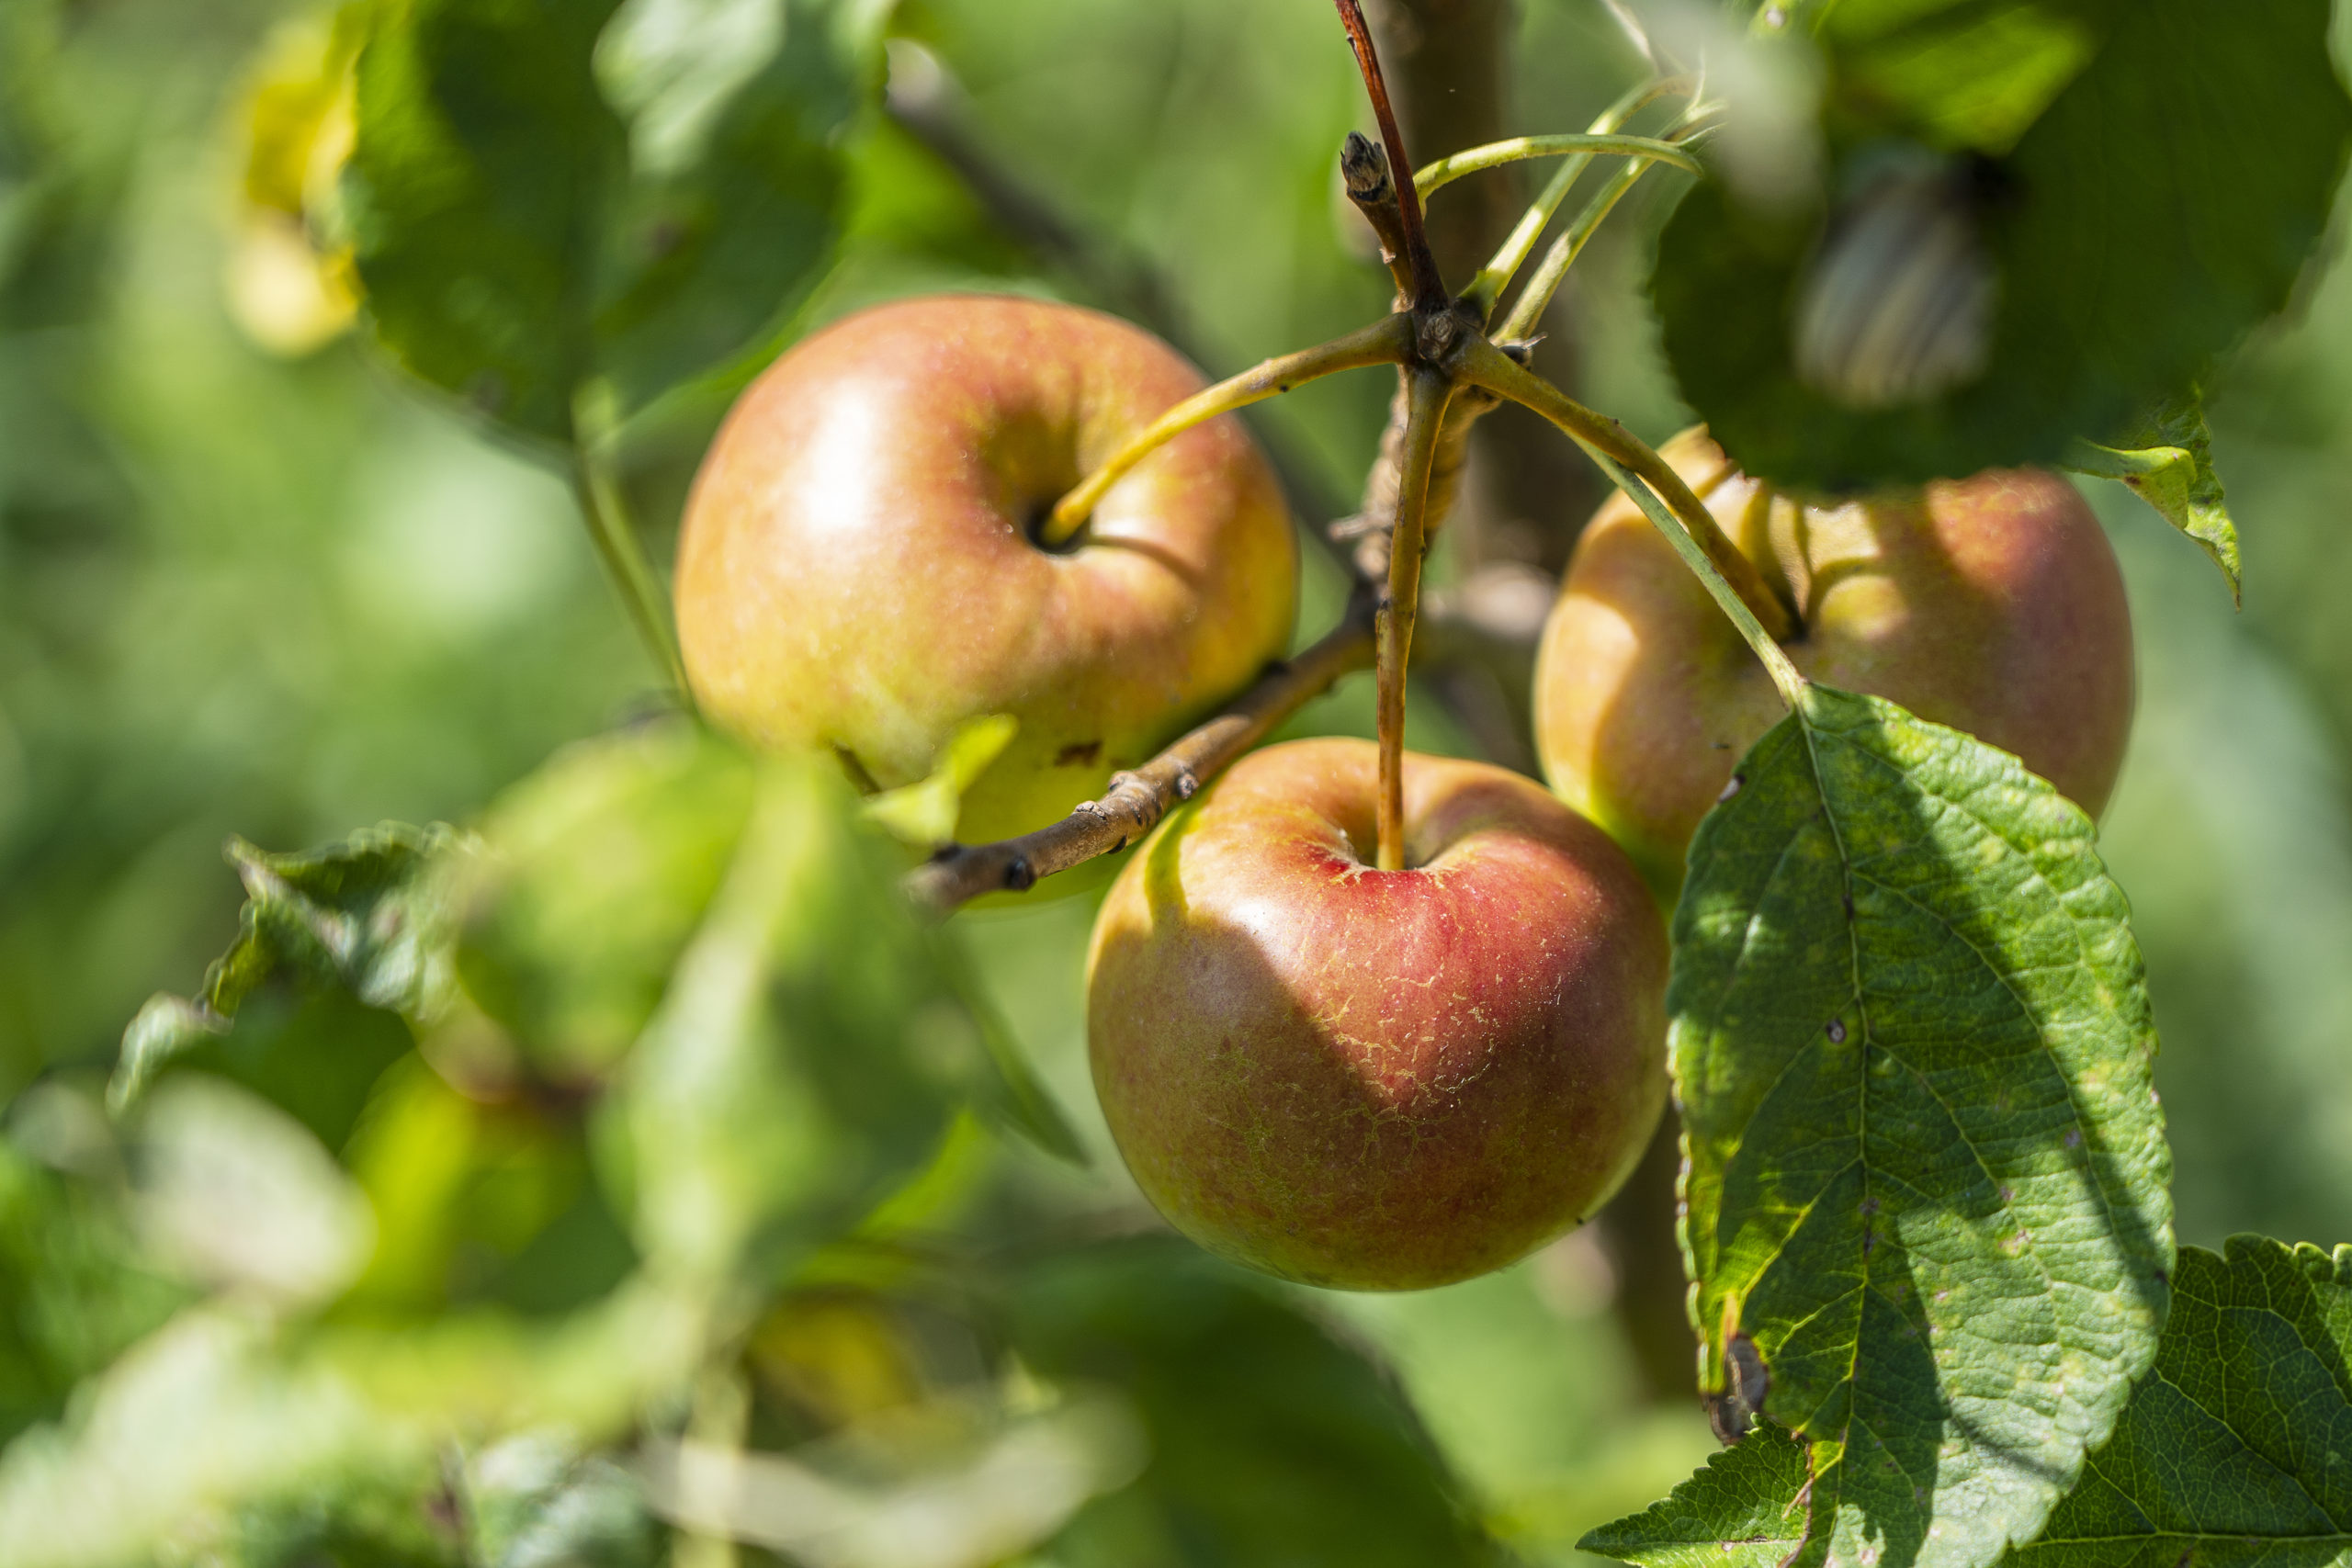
{"points": [[856, 568], [1992, 604], [1369, 1079]]}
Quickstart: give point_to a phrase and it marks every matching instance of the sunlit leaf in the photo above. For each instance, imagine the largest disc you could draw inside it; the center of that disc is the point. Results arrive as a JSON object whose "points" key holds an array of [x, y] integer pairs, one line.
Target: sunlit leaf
{"points": [[289, 283], [2236, 1441], [199, 1433], [805, 1059], [1927, 1189], [2230, 1450], [924, 813], [1745, 1509], [2172, 470]]}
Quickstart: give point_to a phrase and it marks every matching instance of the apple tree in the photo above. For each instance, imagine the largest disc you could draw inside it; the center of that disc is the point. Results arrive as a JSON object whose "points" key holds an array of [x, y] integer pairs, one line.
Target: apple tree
{"points": [[981, 599]]}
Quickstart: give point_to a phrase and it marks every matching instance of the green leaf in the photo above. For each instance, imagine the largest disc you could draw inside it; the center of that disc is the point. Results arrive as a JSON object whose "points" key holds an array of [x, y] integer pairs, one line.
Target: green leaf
{"points": [[1926, 1170], [2172, 470], [369, 915], [519, 240], [924, 813], [2162, 204], [811, 1047], [2238, 1445], [1273, 1441], [2232, 1449], [1745, 1509], [1957, 73], [595, 873]]}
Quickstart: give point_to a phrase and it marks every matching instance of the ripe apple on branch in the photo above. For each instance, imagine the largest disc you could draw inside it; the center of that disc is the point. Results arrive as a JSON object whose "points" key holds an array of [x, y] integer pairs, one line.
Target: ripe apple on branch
{"points": [[1030, 510]]}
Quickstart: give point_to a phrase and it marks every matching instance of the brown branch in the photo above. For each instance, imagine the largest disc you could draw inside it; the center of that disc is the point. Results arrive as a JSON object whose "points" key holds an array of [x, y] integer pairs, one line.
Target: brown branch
{"points": [[1448, 65], [1363, 172], [1429, 287], [1138, 800], [1431, 390]]}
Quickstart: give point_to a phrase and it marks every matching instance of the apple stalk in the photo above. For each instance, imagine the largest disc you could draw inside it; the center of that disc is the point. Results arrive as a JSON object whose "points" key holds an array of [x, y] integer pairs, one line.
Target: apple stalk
{"points": [[1137, 799]]}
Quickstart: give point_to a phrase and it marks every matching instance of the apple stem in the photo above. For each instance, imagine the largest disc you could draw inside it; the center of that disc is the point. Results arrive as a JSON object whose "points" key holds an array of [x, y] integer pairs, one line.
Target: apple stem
{"points": [[1536, 298], [1495, 276], [1385, 341], [625, 565], [1432, 177], [1429, 390], [1429, 289], [1138, 800], [1668, 502]]}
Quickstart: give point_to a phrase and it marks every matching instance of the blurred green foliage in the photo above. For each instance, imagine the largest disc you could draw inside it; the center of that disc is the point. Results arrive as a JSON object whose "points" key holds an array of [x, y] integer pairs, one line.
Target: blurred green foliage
{"points": [[276, 598]]}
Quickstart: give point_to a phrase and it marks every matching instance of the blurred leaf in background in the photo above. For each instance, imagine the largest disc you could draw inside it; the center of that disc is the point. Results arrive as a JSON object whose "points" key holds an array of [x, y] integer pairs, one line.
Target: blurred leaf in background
{"points": [[2036, 222], [540, 197]]}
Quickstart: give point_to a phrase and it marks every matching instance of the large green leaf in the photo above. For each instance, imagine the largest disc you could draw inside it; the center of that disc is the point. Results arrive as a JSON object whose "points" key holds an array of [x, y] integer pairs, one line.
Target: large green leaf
{"points": [[1927, 1171], [1745, 1509], [2162, 203], [2236, 1446], [521, 237]]}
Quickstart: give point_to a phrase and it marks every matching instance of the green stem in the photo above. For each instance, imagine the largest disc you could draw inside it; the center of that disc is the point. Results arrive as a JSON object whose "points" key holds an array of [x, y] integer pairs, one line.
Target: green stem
{"points": [[1776, 661], [1435, 176], [1385, 341], [1536, 298], [1488, 286], [1651, 483], [625, 565]]}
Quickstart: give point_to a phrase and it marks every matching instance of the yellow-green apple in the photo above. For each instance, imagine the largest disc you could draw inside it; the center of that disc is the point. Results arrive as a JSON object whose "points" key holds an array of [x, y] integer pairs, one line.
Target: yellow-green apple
{"points": [[858, 566], [1992, 604], [1377, 1080]]}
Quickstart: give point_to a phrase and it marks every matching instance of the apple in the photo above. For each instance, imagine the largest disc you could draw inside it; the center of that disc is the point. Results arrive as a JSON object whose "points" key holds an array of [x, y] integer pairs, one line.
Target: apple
{"points": [[1377, 1080], [1992, 604], [857, 567]]}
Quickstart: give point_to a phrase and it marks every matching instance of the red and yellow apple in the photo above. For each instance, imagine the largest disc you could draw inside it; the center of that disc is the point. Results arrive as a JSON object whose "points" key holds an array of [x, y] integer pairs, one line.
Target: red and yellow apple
{"points": [[857, 567], [1992, 604], [1377, 1080]]}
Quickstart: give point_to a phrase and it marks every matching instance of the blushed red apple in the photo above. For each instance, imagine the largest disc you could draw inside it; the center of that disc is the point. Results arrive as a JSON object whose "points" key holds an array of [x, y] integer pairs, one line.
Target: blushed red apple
{"points": [[1369, 1079], [1992, 604], [858, 571]]}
